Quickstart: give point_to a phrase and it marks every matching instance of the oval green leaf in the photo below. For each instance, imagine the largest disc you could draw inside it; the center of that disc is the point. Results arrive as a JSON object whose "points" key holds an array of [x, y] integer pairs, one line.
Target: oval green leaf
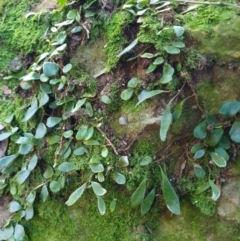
{"points": [[53, 121], [230, 108], [7, 160], [158, 61], [22, 176], [50, 69], [104, 152], [98, 189], [235, 132], [199, 154], [55, 186], [66, 167], [218, 160], [132, 83], [199, 171], [82, 132], [67, 68], [214, 137], [126, 94], [146, 161], [119, 178], [41, 131], [14, 206], [179, 31], [96, 167], [105, 99], [19, 232], [200, 131], [172, 50], [80, 151], [151, 68]]}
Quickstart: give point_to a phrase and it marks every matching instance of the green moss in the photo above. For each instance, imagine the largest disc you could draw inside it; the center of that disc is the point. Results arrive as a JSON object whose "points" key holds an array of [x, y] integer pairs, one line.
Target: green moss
{"points": [[208, 16], [191, 225], [115, 35], [222, 87], [212, 28], [19, 34], [149, 32], [82, 221]]}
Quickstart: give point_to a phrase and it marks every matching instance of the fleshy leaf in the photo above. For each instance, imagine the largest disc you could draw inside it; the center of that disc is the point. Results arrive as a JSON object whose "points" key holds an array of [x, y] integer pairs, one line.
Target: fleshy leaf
{"points": [[105, 99], [196, 148], [67, 68], [148, 201], [214, 137], [128, 48], [33, 162], [66, 167], [235, 132], [82, 132], [50, 69], [221, 152], [104, 152], [200, 131], [44, 193], [179, 31], [165, 122], [230, 108], [7, 160], [199, 154], [96, 167], [199, 171], [22, 176], [41, 131], [14, 206], [53, 121], [218, 160], [146, 161], [19, 232], [151, 68], [215, 191], [144, 95], [80, 151], [101, 205], [172, 50], [55, 186], [75, 195], [30, 76], [119, 178], [132, 83], [123, 161], [98, 189], [127, 94], [169, 195], [138, 195]]}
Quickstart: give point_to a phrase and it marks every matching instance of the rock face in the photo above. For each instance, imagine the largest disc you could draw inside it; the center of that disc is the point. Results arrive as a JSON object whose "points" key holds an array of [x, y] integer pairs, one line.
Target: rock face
{"points": [[229, 205], [4, 214]]}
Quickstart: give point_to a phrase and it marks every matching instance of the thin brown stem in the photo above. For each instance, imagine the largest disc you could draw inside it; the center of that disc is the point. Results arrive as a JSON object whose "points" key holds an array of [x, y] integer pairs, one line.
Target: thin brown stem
{"points": [[108, 141]]}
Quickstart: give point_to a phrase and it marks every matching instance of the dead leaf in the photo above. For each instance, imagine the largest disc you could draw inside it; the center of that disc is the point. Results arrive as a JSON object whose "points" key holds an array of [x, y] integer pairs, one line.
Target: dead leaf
{"points": [[3, 144], [6, 90]]}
